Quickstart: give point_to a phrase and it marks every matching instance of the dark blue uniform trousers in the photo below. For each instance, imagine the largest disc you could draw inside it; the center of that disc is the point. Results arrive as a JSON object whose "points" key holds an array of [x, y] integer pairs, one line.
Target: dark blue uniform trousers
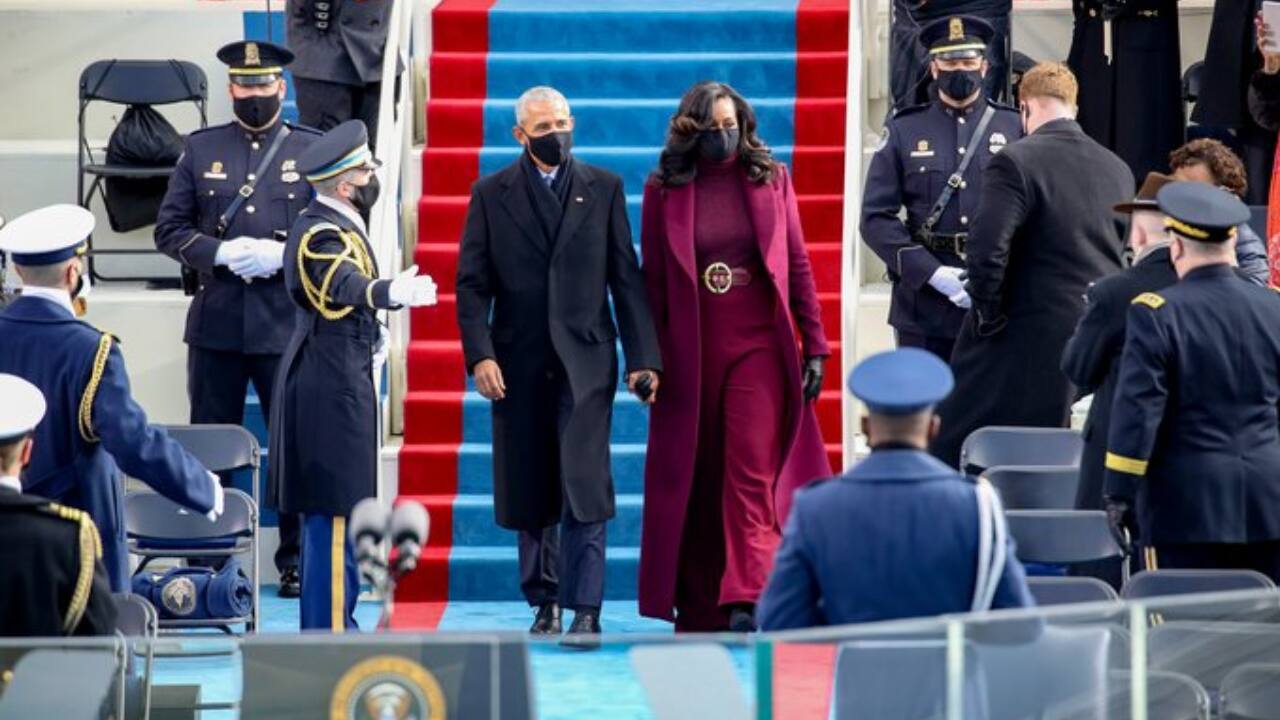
{"points": [[330, 578], [563, 563]]}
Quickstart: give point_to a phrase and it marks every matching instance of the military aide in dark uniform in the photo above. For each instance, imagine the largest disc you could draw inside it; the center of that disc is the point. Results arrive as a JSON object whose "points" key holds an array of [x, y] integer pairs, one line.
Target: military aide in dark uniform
{"points": [[339, 43], [899, 535], [324, 453], [1195, 436], [231, 200], [95, 430], [51, 577], [931, 162]]}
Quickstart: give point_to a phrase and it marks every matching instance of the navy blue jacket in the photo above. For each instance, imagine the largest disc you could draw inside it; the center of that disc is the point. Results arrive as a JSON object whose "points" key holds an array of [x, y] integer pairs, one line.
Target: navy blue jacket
{"points": [[894, 537], [1195, 435], [93, 429], [922, 148], [228, 313]]}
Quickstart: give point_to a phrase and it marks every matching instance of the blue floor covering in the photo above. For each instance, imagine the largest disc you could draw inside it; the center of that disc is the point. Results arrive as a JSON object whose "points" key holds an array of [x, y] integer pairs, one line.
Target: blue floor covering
{"points": [[568, 684]]}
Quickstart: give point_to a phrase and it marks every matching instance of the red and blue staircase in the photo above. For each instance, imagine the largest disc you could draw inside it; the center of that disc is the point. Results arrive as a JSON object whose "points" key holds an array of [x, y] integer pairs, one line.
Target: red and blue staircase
{"points": [[623, 65]]}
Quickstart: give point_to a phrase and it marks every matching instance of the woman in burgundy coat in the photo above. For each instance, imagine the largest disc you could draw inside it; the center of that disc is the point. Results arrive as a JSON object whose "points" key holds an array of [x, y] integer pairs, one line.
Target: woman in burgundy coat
{"points": [[732, 431]]}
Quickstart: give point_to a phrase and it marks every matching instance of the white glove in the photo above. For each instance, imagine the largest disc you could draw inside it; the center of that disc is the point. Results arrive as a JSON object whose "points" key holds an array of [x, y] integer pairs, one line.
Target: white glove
{"points": [[217, 498], [381, 350], [263, 258], [230, 251], [409, 289], [950, 282]]}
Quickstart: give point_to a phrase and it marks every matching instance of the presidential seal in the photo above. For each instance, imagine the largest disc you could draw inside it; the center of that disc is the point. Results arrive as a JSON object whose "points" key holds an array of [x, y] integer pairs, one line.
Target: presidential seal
{"points": [[387, 687], [179, 596]]}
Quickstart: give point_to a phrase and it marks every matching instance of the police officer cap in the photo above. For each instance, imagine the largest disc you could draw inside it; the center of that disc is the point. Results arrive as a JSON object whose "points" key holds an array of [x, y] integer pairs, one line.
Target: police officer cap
{"points": [[901, 382], [48, 236], [254, 63], [1202, 212], [957, 37], [345, 147], [21, 407]]}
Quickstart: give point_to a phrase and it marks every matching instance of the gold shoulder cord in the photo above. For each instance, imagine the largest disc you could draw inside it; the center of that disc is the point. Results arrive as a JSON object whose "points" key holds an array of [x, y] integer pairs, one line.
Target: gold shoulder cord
{"points": [[90, 550], [91, 390], [353, 252]]}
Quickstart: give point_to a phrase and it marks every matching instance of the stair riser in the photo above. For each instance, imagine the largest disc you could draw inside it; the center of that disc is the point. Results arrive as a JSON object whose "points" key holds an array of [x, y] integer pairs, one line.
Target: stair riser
{"points": [[474, 524], [498, 579]]}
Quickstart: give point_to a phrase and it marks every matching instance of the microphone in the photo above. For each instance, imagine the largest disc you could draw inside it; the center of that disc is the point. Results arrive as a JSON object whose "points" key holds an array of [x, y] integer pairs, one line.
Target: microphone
{"points": [[368, 525], [409, 527]]}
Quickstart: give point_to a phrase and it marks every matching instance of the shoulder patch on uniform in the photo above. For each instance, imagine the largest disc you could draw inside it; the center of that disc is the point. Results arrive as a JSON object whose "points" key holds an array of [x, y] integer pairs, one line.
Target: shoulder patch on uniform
{"points": [[206, 129], [1150, 299]]}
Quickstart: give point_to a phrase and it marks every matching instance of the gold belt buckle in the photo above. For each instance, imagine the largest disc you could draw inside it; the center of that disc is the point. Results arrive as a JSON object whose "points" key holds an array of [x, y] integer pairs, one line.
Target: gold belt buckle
{"points": [[718, 277]]}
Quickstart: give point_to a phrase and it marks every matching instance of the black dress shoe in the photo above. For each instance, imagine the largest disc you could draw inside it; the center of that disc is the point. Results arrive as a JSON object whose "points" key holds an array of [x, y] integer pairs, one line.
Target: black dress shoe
{"points": [[742, 619], [290, 583], [547, 621], [584, 633]]}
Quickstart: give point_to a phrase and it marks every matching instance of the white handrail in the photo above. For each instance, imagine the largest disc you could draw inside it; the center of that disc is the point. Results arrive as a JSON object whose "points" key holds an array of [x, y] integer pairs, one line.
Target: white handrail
{"points": [[860, 11]]}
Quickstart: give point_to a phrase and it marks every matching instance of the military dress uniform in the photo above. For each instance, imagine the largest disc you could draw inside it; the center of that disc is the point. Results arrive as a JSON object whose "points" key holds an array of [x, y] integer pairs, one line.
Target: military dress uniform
{"points": [[920, 152], [324, 453], [52, 581], [94, 430], [236, 327], [1195, 436], [338, 72], [898, 535]]}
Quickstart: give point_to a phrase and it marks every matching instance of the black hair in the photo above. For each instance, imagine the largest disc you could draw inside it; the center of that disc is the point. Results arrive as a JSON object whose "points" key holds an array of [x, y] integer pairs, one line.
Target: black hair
{"points": [[678, 163]]}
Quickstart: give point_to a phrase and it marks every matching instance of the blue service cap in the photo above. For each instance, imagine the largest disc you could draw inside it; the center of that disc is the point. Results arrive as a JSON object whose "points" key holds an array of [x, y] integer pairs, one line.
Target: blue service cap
{"points": [[48, 236], [901, 382], [1201, 212], [345, 147], [254, 63], [22, 406], [957, 37]]}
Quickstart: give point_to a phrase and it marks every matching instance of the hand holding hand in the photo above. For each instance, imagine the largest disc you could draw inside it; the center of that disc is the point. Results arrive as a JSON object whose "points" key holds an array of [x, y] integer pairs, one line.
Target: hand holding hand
{"points": [[409, 289], [814, 369], [489, 379], [233, 251], [949, 281], [647, 392], [263, 258]]}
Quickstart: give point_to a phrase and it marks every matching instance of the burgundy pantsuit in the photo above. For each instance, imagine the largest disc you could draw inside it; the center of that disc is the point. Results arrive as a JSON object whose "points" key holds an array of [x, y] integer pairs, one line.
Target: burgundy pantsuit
{"points": [[730, 437]]}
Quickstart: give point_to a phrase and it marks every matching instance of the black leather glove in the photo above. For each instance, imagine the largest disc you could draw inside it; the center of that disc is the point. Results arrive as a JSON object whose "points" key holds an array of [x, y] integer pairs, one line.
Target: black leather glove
{"points": [[813, 372], [1120, 518], [990, 322]]}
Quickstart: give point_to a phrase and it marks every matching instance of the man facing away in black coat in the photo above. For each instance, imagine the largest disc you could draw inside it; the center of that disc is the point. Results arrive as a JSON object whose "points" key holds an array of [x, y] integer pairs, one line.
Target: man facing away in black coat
{"points": [[546, 242], [1044, 231]]}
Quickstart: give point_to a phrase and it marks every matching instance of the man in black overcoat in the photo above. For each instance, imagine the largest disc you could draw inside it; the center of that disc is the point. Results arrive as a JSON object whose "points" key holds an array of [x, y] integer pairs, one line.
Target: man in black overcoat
{"points": [[1045, 229], [546, 242]]}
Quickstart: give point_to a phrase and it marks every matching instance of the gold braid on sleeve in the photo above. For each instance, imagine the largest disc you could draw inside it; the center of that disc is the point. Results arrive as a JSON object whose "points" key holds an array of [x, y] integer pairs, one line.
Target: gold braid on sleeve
{"points": [[353, 251], [91, 389]]}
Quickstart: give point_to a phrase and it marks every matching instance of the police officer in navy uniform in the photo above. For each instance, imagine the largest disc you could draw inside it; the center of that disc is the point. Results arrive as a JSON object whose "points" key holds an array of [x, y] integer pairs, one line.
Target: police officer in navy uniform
{"points": [[94, 431], [917, 166], [52, 581], [324, 453], [230, 204], [1195, 437], [338, 73], [899, 534]]}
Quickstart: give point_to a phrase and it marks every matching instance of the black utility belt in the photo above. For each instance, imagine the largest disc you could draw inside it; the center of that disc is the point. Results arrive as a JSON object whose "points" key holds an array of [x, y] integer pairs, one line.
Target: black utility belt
{"points": [[939, 242]]}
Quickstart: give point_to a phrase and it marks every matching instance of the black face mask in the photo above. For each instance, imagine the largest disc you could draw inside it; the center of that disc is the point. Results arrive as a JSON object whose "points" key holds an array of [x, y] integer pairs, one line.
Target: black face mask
{"points": [[959, 84], [551, 149], [256, 111], [366, 195], [718, 145]]}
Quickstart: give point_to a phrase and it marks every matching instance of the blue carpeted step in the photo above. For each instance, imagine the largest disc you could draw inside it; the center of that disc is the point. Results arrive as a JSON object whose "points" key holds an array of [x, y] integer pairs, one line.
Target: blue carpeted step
{"points": [[493, 573], [642, 25], [630, 75], [475, 468], [473, 524], [630, 419]]}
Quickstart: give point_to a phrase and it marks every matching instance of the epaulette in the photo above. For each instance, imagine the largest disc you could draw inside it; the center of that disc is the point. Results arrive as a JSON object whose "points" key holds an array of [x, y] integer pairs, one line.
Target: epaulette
{"points": [[206, 129], [900, 112], [90, 552], [99, 367], [1150, 299], [307, 129]]}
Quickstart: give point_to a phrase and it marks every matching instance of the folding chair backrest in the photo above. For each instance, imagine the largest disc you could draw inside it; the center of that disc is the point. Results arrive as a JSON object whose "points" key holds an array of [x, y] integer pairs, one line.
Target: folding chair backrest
{"points": [[1062, 537], [993, 446], [1170, 696], [64, 684], [1250, 692], [1156, 583], [218, 447], [690, 682], [155, 517], [901, 679], [1192, 82], [143, 82], [1060, 672], [1070, 590], [135, 617], [1035, 487], [1208, 651]]}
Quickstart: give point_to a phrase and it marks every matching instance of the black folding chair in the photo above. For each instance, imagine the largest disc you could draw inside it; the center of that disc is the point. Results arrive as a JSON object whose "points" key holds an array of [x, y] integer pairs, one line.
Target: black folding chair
{"points": [[1064, 537], [131, 82], [63, 684], [1070, 590], [136, 619], [1192, 82], [1250, 692], [1170, 696], [994, 446], [160, 528], [222, 449], [1035, 487]]}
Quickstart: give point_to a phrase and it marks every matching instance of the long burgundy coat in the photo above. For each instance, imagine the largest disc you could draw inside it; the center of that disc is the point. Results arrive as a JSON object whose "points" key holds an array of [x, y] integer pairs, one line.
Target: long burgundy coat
{"points": [[673, 280]]}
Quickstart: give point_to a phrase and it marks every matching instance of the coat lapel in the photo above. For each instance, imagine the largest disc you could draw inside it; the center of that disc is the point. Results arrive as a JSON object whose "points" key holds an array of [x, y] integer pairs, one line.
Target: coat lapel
{"points": [[577, 207], [761, 205], [515, 199], [679, 220]]}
